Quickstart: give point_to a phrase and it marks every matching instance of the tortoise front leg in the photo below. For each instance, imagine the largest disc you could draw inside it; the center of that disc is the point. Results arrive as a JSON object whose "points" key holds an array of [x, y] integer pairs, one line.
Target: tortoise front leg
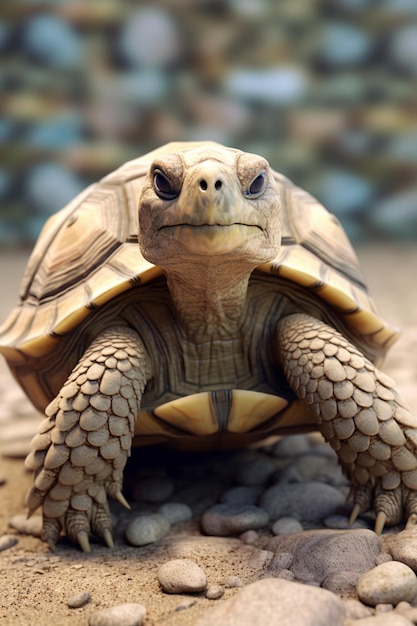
{"points": [[359, 413], [83, 444]]}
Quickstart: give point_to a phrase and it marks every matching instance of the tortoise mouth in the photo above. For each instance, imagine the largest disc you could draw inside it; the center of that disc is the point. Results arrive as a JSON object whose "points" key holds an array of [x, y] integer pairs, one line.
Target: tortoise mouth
{"points": [[212, 238]]}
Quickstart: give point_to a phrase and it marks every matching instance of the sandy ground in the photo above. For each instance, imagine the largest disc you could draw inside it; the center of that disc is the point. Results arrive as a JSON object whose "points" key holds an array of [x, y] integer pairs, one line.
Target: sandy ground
{"points": [[35, 585]]}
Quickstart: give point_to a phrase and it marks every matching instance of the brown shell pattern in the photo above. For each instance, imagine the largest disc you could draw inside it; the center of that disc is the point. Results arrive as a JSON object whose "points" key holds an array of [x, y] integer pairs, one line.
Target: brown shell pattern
{"points": [[88, 253]]}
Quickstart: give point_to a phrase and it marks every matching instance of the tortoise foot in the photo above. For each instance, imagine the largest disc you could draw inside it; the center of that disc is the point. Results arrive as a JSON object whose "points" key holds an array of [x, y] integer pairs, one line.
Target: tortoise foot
{"points": [[83, 444], [360, 414]]}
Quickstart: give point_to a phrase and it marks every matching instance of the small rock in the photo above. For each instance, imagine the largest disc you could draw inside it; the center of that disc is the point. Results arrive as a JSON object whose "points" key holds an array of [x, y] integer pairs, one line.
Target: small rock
{"points": [[319, 467], [310, 501], [147, 529], [277, 601], [356, 610], [79, 600], [127, 614], [153, 489], [233, 581], [241, 495], [341, 583], [182, 576], [249, 537], [402, 547], [175, 512], [229, 519], [318, 554], [187, 603], [31, 526], [214, 592], [282, 560], [291, 446], [383, 608], [286, 526], [7, 541], [254, 472], [387, 583]]}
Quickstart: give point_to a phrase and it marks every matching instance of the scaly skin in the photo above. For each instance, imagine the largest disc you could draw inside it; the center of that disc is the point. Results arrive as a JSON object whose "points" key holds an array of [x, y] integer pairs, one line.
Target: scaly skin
{"points": [[84, 442], [359, 413]]}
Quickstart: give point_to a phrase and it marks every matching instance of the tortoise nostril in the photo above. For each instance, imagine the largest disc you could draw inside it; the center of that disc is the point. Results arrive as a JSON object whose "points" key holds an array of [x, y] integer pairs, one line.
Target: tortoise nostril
{"points": [[218, 185], [203, 185]]}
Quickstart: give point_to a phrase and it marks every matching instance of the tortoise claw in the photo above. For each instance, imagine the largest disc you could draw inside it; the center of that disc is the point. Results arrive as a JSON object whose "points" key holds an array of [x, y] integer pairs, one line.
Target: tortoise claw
{"points": [[354, 515], [82, 538], [411, 522], [120, 498], [107, 536], [381, 518]]}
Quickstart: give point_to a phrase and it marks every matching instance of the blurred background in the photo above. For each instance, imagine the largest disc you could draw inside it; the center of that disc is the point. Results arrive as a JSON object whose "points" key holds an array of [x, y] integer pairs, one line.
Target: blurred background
{"points": [[326, 90]]}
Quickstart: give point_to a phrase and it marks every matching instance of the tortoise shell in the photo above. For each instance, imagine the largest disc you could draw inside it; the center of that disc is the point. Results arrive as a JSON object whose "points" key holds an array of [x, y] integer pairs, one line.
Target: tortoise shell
{"points": [[87, 255]]}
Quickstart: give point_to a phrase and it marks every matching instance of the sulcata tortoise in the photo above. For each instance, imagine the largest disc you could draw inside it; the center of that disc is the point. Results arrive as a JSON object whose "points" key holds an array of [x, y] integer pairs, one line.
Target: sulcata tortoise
{"points": [[234, 311]]}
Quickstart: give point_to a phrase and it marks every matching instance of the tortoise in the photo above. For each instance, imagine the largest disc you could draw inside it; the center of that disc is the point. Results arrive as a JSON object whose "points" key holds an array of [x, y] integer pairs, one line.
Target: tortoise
{"points": [[198, 298]]}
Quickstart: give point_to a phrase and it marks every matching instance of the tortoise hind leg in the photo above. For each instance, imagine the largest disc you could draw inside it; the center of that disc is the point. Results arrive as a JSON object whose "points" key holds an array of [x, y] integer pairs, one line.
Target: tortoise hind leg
{"points": [[359, 413], [84, 442]]}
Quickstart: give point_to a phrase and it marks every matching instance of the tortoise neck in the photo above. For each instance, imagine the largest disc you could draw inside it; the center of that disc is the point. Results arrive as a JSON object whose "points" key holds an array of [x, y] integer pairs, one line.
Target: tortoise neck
{"points": [[210, 300]]}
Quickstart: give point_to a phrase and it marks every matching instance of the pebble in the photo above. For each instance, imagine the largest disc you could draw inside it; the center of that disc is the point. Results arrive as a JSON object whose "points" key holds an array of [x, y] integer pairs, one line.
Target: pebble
{"points": [[249, 537], [31, 526], [79, 600], [182, 576], [283, 603], [7, 541], [241, 495], [356, 610], [222, 520], [318, 554], [254, 472], [292, 445], [127, 614], [214, 592], [175, 512], [286, 526], [387, 583], [153, 489], [318, 467], [341, 522], [231, 582], [402, 547], [147, 529], [310, 501]]}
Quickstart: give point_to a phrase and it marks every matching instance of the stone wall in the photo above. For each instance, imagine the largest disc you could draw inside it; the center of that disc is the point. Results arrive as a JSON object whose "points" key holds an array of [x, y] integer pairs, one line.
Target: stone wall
{"points": [[325, 89]]}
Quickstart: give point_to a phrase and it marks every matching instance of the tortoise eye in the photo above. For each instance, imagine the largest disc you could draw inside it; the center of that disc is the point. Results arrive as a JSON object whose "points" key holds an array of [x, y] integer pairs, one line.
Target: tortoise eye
{"points": [[163, 186], [257, 185]]}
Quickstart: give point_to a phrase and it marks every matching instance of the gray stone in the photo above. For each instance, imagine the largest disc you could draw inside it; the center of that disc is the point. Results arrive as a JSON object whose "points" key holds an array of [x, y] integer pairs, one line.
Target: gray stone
{"points": [[318, 554], [277, 602], [356, 610], [310, 501], [292, 445], [343, 45], [147, 529], [387, 583], [127, 614], [229, 519], [175, 512], [286, 526], [241, 494], [254, 472], [402, 546], [341, 583], [7, 541], [214, 592], [182, 576], [79, 600]]}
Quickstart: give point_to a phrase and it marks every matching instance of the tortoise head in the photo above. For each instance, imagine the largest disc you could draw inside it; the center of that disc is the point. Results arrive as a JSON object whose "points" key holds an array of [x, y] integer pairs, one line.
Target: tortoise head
{"points": [[209, 202]]}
